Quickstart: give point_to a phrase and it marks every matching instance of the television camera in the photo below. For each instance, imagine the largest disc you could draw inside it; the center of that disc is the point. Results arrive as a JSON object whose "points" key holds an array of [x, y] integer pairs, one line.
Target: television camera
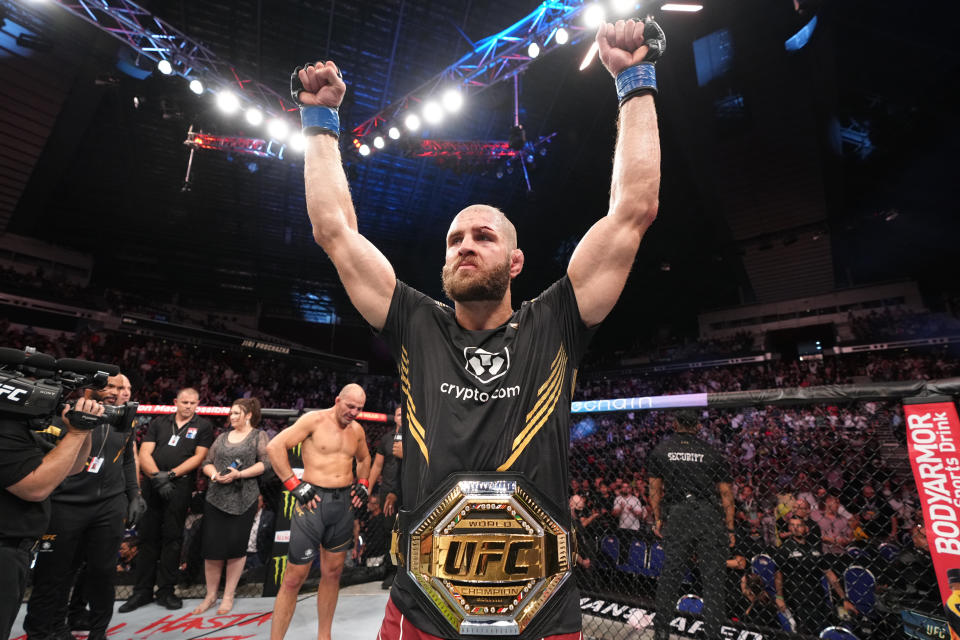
{"points": [[33, 386]]}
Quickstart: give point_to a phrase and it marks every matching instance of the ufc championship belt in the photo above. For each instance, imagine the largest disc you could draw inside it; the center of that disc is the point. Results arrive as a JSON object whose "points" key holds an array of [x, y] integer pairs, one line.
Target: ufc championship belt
{"points": [[487, 551]]}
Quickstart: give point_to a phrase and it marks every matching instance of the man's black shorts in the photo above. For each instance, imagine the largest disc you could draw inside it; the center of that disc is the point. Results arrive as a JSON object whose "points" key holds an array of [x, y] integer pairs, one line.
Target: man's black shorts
{"points": [[330, 526]]}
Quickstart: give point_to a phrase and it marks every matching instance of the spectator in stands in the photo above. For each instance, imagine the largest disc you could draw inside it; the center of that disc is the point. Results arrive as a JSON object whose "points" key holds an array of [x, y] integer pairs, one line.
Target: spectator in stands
{"points": [[630, 512], [911, 574], [876, 517], [374, 537], [801, 509], [835, 530], [127, 556], [761, 609], [801, 565], [747, 508]]}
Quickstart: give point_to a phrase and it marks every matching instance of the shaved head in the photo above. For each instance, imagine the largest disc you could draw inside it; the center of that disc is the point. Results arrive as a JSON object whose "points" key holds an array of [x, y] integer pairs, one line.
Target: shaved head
{"points": [[500, 221], [349, 403], [353, 391]]}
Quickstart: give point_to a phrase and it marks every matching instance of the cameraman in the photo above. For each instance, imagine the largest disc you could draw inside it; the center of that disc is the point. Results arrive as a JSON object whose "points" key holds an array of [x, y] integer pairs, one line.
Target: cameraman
{"points": [[87, 523], [28, 477]]}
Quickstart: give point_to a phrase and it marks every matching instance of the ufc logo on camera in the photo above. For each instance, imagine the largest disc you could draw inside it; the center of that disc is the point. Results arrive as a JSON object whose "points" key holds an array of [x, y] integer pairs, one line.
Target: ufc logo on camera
{"points": [[14, 394]]}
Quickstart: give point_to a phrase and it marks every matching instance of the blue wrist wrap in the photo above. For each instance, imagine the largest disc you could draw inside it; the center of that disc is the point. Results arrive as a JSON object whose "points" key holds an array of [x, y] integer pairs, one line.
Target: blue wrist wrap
{"points": [[316, 119], [635, 80]]}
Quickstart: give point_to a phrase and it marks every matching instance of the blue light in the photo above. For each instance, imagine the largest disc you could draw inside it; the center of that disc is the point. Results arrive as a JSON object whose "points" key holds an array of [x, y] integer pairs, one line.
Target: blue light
{"points": [[800, 39], [582, 429]]}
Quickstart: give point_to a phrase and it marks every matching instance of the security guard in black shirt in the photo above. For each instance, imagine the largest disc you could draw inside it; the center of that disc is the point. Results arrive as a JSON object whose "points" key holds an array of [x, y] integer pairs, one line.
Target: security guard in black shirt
{"points": [[687, 474], [87, 523], [172, 450]]}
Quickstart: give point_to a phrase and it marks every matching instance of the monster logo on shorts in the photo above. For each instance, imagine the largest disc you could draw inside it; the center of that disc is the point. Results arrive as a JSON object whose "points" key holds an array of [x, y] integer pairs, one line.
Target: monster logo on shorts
{"points": [[487, 366], [488, 555]]}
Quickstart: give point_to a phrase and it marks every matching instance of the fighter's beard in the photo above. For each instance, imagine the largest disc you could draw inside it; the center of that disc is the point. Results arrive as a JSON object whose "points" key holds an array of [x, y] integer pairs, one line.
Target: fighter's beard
{"points": [[483, 287]]}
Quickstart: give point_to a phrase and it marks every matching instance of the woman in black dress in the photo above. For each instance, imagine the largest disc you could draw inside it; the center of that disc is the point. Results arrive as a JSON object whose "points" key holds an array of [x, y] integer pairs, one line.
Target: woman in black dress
{"points": [[232, 464]]}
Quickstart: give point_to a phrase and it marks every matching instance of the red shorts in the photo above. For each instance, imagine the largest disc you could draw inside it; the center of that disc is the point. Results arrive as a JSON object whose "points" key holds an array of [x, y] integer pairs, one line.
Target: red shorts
{"points": [[396, 627]]}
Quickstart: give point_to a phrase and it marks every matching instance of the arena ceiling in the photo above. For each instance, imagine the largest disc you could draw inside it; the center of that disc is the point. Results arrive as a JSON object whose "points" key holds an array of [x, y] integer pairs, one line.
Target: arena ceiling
{"points": [[764, 197]]}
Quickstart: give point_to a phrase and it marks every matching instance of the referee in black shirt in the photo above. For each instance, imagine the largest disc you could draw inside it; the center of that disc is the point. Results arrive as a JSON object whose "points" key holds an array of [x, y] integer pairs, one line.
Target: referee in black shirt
{"points": [[688, 474]]}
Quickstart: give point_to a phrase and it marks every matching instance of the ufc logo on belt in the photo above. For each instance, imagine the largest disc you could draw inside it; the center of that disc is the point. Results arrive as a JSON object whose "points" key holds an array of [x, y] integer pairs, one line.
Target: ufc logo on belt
{"points": [[489, 557]]}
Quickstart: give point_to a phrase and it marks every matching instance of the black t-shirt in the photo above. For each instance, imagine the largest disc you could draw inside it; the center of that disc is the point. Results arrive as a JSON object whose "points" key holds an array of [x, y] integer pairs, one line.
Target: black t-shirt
{"points": [[198, 432], [110, 469], [20, 455], [802, 566], [689, 467], [390, 473], [491, 401]]}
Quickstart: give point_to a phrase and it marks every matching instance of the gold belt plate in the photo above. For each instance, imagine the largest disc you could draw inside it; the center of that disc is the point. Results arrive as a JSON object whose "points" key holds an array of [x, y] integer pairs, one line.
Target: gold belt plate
{"points": [[488, 556]]}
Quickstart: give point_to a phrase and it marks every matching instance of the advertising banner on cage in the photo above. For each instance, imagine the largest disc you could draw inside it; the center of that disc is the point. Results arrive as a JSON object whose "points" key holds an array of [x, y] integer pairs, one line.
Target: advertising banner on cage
{"points": [[933, 436], [277, 565]]}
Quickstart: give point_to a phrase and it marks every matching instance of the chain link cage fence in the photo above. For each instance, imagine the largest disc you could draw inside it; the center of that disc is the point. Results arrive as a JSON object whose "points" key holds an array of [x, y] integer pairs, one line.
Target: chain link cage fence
{"points": [[828, 534]]}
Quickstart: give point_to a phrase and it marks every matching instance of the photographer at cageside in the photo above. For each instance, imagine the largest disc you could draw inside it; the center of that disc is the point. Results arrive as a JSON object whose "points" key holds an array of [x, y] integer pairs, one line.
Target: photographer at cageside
{"points": [[33, 391]]}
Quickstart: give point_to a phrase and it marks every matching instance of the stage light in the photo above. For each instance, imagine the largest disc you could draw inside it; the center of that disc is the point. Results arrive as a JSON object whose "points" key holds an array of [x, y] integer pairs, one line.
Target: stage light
{"points": [[562, 36], [622, 7], [452, 100], [591, 54], [378, 142], [594, 15], [677, 6], [412, 122], [394, 133], [254, 116], [298, 142], [364, 150], [196, 86], [165, 67], [533, 50], [278, 129], [228, 101], [432, 112]]}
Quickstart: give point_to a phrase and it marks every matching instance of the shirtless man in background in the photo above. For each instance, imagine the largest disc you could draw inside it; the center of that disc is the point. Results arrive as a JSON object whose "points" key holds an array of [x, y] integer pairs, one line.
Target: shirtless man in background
{"points": [[331, 439]]}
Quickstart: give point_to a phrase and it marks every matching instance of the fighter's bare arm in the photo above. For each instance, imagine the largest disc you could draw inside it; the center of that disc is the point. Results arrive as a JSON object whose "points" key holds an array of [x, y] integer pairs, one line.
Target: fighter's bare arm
{"points": [[288, 439], [363, 455], [600, 265], [364, 271]]}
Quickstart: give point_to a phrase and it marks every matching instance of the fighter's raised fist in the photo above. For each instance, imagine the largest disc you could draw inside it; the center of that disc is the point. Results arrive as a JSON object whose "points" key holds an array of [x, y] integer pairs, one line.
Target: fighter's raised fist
{"points": [[317, 84], [629, 42]]}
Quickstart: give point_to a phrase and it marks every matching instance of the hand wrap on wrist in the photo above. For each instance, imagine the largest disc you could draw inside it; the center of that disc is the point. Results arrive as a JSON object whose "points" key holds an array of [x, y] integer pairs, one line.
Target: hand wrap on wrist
{"points": [[302, 491], [635, 80], [642, 77], [315, 119], [361, 490]]}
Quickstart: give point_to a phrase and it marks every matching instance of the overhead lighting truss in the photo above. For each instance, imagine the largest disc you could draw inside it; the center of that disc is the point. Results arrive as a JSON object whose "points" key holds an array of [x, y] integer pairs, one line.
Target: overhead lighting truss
{"points": [[158, 40], [235, 144], [495, 58], [477, 150]]}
